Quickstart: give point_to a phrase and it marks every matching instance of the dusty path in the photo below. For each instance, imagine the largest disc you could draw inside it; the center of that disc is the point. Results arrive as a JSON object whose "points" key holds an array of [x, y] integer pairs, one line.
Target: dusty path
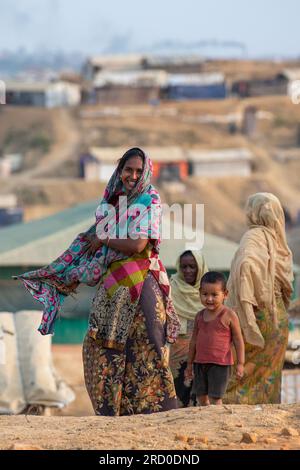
{"points": [[192, 428], [66, 144], [67, 139]]}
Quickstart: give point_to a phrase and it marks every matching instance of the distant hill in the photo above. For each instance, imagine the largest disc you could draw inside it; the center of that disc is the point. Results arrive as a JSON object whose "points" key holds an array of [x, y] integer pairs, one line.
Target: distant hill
{"points": [[169, 124]]}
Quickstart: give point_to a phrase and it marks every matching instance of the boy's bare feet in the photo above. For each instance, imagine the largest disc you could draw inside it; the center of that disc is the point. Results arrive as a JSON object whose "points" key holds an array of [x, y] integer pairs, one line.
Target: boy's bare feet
{"points": [[203, 400]]}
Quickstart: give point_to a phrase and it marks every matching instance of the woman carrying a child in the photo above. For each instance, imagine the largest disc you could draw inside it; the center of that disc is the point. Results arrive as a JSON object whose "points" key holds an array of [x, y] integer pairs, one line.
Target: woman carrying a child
{"points": [[260, 287]]}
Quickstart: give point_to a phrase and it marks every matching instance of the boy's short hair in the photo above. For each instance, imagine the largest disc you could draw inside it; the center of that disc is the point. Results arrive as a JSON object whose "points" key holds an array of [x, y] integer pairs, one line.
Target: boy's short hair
{"points": [[212, 277]]}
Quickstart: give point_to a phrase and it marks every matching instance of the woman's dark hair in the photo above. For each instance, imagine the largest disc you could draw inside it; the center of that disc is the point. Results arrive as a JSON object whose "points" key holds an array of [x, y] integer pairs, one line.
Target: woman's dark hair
{"points": [[212, 277], [133, 152], [187, 252]]}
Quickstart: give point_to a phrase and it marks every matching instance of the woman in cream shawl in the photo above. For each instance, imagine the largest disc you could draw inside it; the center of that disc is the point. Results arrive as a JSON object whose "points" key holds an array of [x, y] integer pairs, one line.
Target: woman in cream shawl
{"points": [[185, 286], [260, 287]]}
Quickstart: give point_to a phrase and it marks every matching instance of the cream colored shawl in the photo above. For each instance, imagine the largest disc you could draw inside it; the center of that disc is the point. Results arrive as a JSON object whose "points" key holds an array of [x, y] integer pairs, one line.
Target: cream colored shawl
{"points": [[262, 266], [186, 298]]}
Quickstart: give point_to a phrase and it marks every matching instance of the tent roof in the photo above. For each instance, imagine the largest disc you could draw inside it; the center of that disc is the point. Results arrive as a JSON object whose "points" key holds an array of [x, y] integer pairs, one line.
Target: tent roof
{"points": [[39, 242], [133, 78], [218, 251], [224, 155], [291, 74], [195, 79], [157, 154]]}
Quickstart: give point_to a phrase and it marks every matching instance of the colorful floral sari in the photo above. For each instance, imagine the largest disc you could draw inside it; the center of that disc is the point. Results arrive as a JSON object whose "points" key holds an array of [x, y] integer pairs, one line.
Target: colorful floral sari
{"points": [[262, 380], [136, 379]]}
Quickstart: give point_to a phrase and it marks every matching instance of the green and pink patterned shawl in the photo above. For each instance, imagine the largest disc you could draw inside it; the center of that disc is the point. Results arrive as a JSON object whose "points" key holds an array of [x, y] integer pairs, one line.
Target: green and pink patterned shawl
{"points": [[75, 265]]}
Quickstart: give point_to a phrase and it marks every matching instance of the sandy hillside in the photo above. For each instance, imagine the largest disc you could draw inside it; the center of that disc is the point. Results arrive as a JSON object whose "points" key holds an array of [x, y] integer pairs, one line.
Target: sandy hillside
{"points": [[48, 183], [170, 124]]}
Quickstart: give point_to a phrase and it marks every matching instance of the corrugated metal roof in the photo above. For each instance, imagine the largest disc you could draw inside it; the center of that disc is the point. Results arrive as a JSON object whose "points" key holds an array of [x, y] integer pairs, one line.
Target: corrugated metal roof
{"points": [[20, 240], [167, 60], [217, 251], [195, 79], [107, 154], [130, 60], [166, 154], [133, 78], [40, 87], [36, 86], [116, 61], [291, 74], [221, 155], [8, 200], [157, 154]]}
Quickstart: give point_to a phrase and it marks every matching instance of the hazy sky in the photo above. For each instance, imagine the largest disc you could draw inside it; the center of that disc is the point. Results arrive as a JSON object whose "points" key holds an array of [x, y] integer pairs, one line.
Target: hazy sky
{"points": [[266, 27]]}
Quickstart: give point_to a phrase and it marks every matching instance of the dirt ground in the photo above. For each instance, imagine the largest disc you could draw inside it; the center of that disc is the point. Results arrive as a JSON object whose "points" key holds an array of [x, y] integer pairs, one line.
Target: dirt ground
{"points": [[197, 428]]}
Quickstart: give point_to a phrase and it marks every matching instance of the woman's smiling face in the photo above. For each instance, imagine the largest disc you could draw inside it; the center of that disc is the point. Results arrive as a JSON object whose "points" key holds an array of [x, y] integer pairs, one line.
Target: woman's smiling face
{"points": [[131, 172]]}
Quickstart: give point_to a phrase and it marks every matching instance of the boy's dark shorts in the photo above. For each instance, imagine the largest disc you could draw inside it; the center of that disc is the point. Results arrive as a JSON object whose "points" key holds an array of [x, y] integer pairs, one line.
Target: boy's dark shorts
{"points": [[211, 380]]}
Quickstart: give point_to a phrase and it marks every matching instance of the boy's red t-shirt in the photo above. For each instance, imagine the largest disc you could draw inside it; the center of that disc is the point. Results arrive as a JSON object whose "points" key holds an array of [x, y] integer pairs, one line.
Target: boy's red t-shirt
{"points": [[213, 340]]}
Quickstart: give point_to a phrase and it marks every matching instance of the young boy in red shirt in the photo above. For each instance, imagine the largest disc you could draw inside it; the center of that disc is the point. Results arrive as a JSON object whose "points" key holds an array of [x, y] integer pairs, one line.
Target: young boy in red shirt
{"points": [[216, 327]]}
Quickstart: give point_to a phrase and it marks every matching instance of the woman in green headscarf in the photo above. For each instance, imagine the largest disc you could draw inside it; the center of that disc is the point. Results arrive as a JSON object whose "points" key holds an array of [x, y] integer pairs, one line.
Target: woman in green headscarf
{"points": [[185, 286]]}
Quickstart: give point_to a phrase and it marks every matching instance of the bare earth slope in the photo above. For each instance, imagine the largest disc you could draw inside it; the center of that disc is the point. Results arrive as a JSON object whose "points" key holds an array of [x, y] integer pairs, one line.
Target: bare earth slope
{"points": [[193, 428], [169, 124]]}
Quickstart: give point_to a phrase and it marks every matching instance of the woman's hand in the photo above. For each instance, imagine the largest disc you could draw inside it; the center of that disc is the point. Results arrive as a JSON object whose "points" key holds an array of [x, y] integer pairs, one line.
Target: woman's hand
{"points": [[93, 243], [188, 373], [239, 371]]}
